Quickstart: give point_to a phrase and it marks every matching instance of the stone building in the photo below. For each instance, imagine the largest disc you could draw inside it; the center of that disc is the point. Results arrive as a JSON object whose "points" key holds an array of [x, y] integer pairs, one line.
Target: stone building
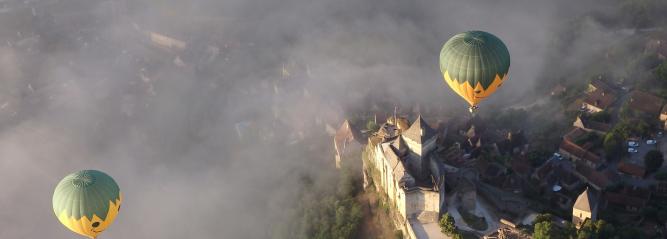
{"points": [[347, 142], [406, 169], [585, 208]]}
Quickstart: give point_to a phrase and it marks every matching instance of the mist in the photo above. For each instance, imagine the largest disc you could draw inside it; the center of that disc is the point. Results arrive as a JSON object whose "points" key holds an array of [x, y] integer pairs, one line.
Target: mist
{"points": [[79, 89]]}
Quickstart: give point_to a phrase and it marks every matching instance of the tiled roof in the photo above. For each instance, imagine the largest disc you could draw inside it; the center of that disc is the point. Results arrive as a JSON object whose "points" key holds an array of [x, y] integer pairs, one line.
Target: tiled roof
{"points": [[623, 199], [600, 99], [645, 102], [632, 169], [597, 179], [577, 151]]}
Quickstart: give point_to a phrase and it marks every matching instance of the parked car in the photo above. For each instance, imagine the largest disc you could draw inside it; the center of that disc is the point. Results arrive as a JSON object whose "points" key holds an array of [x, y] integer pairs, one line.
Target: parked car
{"points": [[633, 144], [659, 134], [651, 141], [558, 156], [632, 150]]}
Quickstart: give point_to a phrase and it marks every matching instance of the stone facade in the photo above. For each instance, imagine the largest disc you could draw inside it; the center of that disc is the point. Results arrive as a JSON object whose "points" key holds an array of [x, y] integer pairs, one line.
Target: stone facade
{"points": [[407, 171], [585, 208]]}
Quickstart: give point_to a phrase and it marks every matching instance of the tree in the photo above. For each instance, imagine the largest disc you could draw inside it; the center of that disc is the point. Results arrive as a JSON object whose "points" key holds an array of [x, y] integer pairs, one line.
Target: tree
{"points": [[612, 145], [586, 231], [604, 229], [447, 225], [602, 116], [544, 230], [661, 72], [569, 230], [653, 160], [545, 217], [372, 126]]}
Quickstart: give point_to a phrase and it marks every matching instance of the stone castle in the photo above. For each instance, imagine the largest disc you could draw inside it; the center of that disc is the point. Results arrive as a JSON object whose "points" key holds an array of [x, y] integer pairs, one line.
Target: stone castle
{"points": [[402, 161]]}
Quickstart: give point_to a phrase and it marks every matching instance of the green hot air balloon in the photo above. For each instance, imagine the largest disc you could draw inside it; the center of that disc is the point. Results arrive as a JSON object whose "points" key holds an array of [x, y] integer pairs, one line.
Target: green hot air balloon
{"points": [[474, 64], [87, 202]]}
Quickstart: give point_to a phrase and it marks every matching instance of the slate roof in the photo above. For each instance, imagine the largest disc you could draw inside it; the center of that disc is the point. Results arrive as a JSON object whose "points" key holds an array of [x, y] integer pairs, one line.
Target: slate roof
{"points": [[419, 131], [586, 201]]}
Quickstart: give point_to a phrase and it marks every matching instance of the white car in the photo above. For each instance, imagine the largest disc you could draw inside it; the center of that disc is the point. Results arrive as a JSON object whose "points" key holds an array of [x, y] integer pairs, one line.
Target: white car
{"points": [[632, 150], [633, 144], [558, 156], [651, 141]]}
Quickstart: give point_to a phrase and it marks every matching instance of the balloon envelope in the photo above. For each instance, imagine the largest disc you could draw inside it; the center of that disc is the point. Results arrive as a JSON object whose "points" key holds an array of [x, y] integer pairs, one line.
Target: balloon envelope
{"points": [[474, 64], [87, 202]]}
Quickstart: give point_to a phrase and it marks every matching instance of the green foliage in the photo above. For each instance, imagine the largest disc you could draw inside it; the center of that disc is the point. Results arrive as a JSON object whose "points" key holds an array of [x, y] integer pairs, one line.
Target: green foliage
{"points": [[321, 213], [629, 232], [653, 160], [640, 13], [662, 175], [613, 145], [662, 215], [537, 157], [372, 126], [661, 72], [631, 127], [569, 230], [447, 225], [589, 137], [544, 230], [544, 217], [602, 116]]}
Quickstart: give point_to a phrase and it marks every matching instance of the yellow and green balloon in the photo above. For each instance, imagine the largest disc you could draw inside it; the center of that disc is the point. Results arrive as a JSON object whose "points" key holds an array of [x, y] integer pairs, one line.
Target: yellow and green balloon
{"points": [[87, 202], [474, 64]]}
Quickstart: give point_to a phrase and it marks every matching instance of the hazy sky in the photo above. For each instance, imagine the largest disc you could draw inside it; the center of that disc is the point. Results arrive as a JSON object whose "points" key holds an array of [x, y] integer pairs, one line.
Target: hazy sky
{"points": [[169, 139]]}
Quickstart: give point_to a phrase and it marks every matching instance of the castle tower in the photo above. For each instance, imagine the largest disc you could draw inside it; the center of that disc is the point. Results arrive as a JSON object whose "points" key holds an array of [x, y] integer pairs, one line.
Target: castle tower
{"points": [[420, 139]]}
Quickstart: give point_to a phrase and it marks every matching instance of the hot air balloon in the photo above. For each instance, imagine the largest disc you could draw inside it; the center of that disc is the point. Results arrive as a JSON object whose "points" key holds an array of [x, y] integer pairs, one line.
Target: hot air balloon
{"points": [[474, 64], [87, 202]]}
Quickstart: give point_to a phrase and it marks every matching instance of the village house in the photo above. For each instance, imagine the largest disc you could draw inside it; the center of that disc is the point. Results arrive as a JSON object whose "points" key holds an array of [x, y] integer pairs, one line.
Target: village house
{"points": [[630, 198], [633, 170], [598, 101], [600, 96], [658, 46], [599, 84], [645, 102], [569, 149], [663, 116], [558, 90], [591, 126], [348, 142], [599, 180], [660, 188], [585, 208]]}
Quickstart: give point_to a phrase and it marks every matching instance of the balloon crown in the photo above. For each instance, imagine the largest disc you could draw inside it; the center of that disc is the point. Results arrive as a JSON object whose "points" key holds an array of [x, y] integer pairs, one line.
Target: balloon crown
{"points": [[83, 179], [474, 38]]}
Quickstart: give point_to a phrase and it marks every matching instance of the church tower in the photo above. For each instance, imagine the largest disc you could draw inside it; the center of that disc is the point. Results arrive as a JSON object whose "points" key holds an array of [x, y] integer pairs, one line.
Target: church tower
{"points": [[585, 208]]}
